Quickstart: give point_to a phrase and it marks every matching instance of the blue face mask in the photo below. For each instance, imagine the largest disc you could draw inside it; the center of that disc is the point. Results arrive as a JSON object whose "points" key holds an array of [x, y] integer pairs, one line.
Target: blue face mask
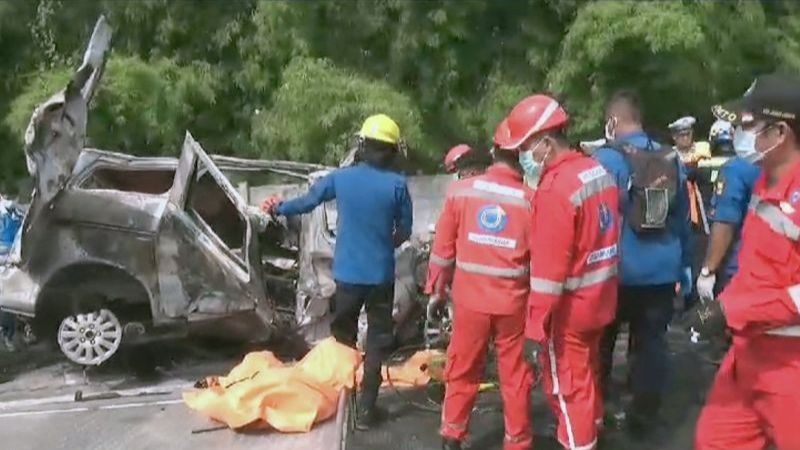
{"points": [[531, 167]]}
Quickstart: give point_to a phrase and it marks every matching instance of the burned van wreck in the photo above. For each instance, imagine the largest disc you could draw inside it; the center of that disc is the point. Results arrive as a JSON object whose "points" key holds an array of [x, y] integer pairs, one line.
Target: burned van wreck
{"points": [[117, 248]]}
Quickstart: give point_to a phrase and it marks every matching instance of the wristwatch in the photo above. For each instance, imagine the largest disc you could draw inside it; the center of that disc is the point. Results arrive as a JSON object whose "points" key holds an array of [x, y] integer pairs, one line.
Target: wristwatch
{"points": [[705, 272]]}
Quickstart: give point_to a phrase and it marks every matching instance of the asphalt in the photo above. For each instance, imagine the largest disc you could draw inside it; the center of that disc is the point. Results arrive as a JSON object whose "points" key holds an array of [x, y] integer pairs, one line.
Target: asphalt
{"points": [[409, 428], [38, 408], [155, 422]]}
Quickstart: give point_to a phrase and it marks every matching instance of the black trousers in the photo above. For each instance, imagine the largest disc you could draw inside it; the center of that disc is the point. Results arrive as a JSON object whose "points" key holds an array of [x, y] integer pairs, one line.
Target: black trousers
{"points": [[648, 310], [346, 307]]}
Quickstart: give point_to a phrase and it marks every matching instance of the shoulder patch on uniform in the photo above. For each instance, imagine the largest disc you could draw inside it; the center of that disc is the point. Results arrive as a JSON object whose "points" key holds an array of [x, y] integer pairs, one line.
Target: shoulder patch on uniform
{"points": [[794, 197], [719, 187], [488, 186], [606, 219], [591, 174]]}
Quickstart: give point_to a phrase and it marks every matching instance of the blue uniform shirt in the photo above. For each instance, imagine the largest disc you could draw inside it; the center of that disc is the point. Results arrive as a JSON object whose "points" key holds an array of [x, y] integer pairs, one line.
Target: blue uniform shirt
{"points": [[650, 260], [730, 201], [373, 206]]}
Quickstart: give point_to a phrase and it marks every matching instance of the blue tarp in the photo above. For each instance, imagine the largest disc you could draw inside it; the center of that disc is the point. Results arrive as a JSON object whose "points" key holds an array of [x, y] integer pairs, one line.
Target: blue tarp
{"points": [[10, 222]]}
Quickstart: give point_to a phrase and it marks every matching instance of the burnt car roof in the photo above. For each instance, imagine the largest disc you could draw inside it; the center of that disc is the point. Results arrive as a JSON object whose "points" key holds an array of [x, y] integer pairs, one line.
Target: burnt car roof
{"points": [[90, 156]]}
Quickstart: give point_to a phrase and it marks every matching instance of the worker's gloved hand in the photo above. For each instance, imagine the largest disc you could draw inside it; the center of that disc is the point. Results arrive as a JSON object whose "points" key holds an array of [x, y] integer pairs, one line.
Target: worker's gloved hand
{"points": [[435, 308], [705, 287], [706, 321], [270, 203], [533, 350], [685, 282]]}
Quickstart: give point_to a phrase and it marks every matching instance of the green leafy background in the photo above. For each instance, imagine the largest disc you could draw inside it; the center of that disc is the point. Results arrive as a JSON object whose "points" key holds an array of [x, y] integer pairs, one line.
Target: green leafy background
{"points": [[281, 79]]}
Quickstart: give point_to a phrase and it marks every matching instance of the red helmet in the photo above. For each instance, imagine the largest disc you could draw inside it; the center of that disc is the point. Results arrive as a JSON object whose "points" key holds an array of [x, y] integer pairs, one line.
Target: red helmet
{"points": [[453, 155], [532, 115], [502, 135]]}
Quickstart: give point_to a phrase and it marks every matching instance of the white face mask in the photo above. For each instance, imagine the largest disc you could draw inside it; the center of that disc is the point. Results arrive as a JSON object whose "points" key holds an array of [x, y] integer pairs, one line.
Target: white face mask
{"points": [[744, 144]]}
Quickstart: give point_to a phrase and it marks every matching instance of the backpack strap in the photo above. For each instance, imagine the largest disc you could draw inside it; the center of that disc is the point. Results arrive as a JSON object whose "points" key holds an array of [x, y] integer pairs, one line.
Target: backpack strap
{"points": [[619, 147]]}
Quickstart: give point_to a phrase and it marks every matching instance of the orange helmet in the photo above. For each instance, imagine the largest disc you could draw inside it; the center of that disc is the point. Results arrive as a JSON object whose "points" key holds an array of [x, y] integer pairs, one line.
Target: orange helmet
{"points": [[532, 115], [455, 154]]}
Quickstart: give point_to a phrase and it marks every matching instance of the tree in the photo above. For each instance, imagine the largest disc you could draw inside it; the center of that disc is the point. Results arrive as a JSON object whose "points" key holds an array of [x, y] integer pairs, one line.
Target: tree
{"points": [[319, 108], [141, 108], [681, 57], [276, 78]]}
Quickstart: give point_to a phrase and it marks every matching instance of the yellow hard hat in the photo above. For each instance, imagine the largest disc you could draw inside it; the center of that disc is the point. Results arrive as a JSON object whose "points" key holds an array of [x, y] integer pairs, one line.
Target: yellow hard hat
{"points": [[381, 128]]}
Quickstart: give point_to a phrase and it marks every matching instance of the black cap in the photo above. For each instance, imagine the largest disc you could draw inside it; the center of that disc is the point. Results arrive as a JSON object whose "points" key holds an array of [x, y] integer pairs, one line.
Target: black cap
{"points": [[773, 97]]}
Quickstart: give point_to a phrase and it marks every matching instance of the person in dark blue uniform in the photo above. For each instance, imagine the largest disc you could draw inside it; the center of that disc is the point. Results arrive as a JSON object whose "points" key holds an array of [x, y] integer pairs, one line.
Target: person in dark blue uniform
{"points": [[374, 217], [649, 269], [728, 209]]}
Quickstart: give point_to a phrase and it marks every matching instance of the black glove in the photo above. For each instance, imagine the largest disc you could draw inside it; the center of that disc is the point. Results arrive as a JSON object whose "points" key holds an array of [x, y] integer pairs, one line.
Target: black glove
{"points": [[532, 351], [705, 321], [435, 309]]}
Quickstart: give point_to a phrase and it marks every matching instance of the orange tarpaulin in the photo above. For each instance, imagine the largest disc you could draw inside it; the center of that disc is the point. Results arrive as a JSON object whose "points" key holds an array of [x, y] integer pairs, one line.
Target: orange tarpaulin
{"points": [[290, 398], [415, 371]]}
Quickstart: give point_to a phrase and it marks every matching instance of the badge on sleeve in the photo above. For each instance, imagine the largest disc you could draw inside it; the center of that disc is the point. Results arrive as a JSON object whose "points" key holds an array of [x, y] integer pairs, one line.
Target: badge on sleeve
{"points": [[720, 187], [795, 197], [605, 218]]}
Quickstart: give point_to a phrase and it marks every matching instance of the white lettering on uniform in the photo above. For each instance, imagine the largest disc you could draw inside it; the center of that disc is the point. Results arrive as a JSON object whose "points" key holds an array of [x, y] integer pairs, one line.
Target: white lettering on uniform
{"points": [[494, 241], [602, 255], [591, 174], [495, 188]]}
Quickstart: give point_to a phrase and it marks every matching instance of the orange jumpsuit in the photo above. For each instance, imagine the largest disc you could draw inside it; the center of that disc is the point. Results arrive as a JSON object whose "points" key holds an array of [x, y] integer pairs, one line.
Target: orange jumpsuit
{"points": [[574, 257], [755, 400], [481, 241]]}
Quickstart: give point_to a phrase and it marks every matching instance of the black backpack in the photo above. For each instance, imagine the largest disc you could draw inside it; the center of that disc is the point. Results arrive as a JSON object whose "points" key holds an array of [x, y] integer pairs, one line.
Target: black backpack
{"points": [[653, 186]]}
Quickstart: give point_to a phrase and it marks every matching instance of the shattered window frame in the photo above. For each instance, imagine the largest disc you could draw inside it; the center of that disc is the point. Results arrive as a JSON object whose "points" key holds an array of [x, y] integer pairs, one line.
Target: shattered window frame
{"points": [[86, 175], [242, 260]]}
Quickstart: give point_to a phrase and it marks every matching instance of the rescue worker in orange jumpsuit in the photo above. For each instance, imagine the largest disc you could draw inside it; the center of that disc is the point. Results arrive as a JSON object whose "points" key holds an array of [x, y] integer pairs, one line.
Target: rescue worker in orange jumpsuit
{"points": [[755, 400], [463, 162], [481, 248], [573, 241]]}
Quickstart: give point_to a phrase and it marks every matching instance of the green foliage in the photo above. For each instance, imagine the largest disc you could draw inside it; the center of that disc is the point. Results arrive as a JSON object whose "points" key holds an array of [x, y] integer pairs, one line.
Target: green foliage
{"points": [[319, 108], [681, 57], [142, 108], [294, 79], [39, 87]]}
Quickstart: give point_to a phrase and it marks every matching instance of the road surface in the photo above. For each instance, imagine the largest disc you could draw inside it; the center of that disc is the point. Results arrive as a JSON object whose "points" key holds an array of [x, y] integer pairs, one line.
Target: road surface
{"points": [[410, 429], [38, 407], [38, 410]]}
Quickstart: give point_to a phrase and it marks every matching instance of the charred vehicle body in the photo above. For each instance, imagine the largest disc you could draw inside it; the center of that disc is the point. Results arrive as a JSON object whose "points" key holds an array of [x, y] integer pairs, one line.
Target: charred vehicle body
{"points": [[116, 247]]}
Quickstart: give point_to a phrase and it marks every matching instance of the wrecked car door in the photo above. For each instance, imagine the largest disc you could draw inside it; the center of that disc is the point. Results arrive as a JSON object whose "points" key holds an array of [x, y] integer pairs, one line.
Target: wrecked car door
{"points": [[56, 133], [207, 250]]}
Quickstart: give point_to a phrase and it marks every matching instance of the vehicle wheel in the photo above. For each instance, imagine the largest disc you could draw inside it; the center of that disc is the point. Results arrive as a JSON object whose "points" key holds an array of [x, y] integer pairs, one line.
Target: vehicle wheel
{"points": [[90, 338]]}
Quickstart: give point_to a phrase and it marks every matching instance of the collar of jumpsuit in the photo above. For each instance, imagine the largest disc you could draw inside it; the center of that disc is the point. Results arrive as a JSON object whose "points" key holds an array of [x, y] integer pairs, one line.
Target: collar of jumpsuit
{"points": [[780, 191], [559, 160], [504, 171]]}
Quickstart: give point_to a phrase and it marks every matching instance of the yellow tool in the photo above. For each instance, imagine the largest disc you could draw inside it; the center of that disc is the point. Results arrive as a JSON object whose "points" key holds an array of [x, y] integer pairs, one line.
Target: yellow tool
{"points": [[483, 387]]}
